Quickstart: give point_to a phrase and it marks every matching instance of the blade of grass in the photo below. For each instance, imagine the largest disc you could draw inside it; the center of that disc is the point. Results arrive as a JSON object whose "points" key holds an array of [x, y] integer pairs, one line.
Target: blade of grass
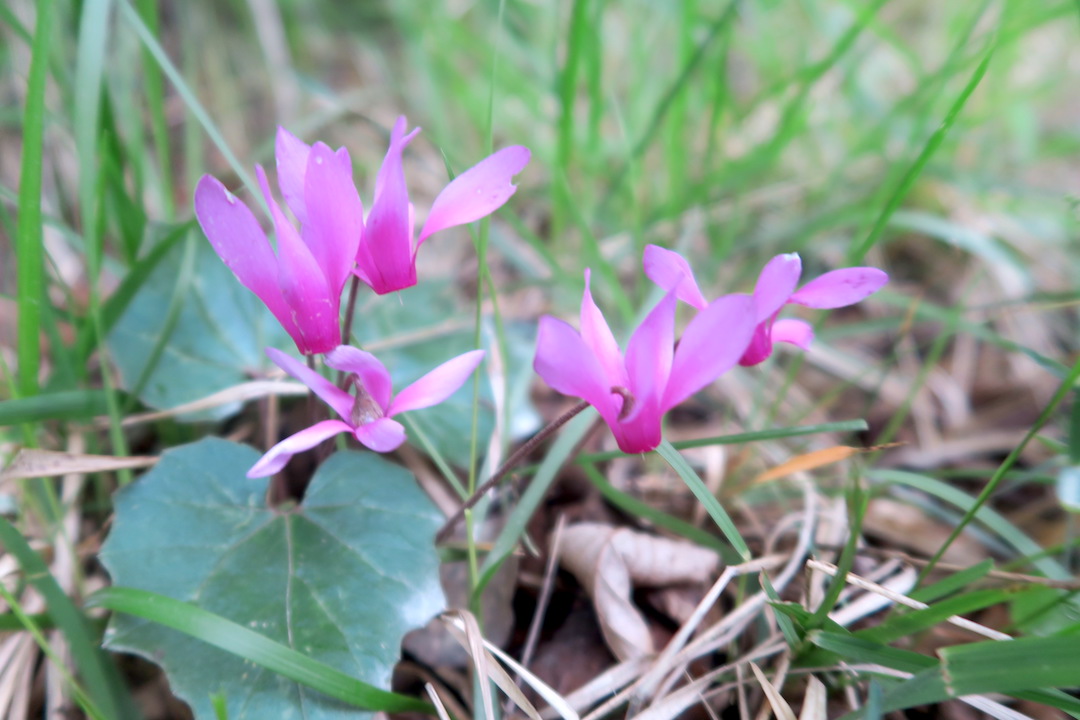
{"points": [[65, 405], [99, 675], [27, 623], [197, 110], [705, 497], [259, 649], [859, 249], [153, 86], [858, 501], [632, 506], [514, 528], [29, 250], [739, 438], [1048, 412]]}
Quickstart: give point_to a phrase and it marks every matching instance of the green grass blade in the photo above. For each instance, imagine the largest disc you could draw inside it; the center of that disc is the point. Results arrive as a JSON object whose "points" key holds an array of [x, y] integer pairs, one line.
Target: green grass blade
{"points": [[98, 674], [953, 583], [250, 645], [89, 72], [29, 250], [66, 405], [705, 497], [859, 250], [559, 453], [911, 623], [632, 506], [857, 502], [1017, 666], [739, 438], [1048, 412], [131, 15]]}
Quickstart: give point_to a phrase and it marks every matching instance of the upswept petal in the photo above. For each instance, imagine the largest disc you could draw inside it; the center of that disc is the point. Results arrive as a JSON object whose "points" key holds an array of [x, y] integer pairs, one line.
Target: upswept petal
{"points": [[568, 365], [649, 357], [776, 283], [291, 154], [840, 288], [710, 346], [331, 394], [671, 271], [237, 238], [302, 283], [277, 456], [382, 435], [796, 332], [388, 256], [373, 374], [477, 192], [335, 214], [437, 385], [398, 139], [598, 337]]}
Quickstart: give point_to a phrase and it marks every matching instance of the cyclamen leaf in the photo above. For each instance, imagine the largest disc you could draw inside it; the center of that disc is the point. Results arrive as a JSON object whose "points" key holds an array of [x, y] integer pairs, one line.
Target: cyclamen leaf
{"points": [[341, 578], [217, 341]]}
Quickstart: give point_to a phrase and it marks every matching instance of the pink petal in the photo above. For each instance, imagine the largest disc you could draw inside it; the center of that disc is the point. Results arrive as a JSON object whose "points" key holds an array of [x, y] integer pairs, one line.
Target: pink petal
{"points": [[598, 338], [291, 154], [670, 271], [761, 345], [382, 435], [397, 137], [387, 247], [776, 283], [372, 373], [840, 287], [477, 192], [278, 456], [711, 345], [649, 357], [331, 394], [302, 283], [335, 214], [569, 366], [639, 433], [437, 385], [796, 332], [237, 238]]}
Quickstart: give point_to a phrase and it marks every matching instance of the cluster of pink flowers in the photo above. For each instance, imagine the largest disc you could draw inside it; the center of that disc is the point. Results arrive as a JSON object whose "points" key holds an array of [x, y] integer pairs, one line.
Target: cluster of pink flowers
{"points": [[633, 391], [303, 282]]}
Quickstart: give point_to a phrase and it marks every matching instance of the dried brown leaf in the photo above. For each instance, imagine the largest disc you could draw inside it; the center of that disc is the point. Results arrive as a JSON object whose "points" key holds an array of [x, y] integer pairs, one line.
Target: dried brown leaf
{"points": [[33, 463], [609, 561]]}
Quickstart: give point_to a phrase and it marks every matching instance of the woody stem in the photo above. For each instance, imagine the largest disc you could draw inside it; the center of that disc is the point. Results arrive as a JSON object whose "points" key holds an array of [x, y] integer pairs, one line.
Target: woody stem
{"points": [[511, 462]]}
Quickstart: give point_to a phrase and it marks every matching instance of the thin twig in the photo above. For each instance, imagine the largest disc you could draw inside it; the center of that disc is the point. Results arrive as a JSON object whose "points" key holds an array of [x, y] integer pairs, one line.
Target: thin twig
{"points": [[511, 462]]}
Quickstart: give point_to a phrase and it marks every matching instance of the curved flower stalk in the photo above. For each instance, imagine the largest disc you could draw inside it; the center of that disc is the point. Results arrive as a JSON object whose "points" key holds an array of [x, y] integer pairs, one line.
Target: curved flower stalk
{"points": [[302, 283], [633, 391], [776, 287], [386, 259], [367, 412]]}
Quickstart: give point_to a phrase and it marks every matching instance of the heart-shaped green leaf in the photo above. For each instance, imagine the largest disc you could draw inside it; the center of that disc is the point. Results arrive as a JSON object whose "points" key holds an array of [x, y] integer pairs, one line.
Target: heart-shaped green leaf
{"points": [[191, 330], [340, 578]]}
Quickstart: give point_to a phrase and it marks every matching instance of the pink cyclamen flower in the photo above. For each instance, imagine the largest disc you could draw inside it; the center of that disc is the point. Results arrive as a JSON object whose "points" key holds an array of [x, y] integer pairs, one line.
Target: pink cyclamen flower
{"points": [[633, 392], [368, 413], [301, 285], [775, 288], [386, 260]]}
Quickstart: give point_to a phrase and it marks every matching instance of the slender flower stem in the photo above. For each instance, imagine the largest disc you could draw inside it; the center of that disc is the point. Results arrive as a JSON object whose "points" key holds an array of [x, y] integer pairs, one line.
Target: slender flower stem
{"points": [[350, 310], [346, 327], [511, 462]]}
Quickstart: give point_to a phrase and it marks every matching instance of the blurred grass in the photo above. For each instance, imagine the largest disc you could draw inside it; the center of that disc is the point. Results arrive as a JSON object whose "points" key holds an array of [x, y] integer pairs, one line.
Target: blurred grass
{"points": [[841, 129]]}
